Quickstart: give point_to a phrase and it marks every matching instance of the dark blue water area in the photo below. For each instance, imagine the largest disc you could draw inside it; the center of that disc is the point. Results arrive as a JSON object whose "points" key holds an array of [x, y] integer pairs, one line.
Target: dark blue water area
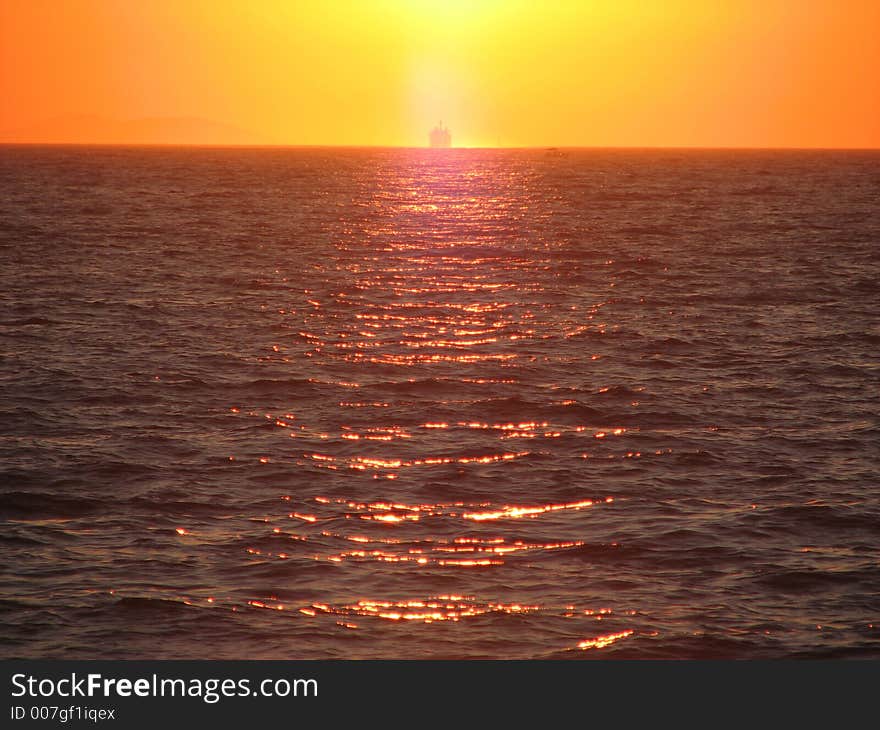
{"points": [[352, 403]]}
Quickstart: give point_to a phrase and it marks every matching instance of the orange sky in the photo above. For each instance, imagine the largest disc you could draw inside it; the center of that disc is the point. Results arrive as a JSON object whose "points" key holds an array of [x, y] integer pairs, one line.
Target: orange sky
{"points": [[759, 73]]}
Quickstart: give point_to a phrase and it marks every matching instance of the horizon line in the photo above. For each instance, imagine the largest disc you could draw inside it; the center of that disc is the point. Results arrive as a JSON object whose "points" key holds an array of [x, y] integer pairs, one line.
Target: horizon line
{"points": [[544, 147]]}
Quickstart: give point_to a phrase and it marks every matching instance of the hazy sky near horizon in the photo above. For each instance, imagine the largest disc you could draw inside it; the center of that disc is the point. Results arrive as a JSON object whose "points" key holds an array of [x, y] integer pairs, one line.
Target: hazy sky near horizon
{"points": [[754, 73]]}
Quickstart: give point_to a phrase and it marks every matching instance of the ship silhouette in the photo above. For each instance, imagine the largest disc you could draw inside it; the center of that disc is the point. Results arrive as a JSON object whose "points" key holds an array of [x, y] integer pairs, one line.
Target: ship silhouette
{"points": [[440, 136]]}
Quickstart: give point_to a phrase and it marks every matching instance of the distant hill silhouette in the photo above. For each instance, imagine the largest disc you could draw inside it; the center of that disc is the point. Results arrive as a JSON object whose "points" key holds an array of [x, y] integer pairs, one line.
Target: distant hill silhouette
{"points": [[93, 129]]}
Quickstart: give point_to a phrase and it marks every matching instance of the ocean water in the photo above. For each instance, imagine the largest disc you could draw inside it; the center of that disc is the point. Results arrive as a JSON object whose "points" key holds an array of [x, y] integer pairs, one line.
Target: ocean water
{"points": [[330, 403]]}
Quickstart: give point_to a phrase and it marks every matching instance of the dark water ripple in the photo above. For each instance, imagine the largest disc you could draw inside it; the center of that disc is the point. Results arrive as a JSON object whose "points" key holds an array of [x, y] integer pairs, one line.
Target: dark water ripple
{"points": [[399, 403]]}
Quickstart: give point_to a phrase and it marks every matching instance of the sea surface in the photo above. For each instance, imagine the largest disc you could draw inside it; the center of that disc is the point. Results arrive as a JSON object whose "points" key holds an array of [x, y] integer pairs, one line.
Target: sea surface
{"points": [[390, 403]]}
